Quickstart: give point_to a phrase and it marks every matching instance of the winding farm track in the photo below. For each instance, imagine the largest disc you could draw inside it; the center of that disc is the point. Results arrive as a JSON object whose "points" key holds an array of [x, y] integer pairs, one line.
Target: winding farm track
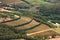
{"points": [[30, 34]]}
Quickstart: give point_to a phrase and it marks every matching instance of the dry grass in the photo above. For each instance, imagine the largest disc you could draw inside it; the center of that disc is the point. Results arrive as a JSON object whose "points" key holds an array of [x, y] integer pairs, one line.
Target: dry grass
{"points": [[28, 25], [39, 28], [20, 21]]}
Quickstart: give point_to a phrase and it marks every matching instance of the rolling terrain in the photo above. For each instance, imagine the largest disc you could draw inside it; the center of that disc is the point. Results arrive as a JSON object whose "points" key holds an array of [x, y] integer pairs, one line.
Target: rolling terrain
{"points": [[29, 17]]}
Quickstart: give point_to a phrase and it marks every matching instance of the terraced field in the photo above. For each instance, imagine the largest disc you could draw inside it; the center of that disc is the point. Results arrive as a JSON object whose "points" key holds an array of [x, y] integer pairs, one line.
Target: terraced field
{"points": [[38, 28], [29, 25], [20, 23]]}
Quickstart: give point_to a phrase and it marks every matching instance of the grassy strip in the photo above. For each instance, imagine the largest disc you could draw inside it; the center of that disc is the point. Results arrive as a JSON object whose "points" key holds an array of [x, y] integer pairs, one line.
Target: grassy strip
{"points": [[58, 30], [44, 22]]}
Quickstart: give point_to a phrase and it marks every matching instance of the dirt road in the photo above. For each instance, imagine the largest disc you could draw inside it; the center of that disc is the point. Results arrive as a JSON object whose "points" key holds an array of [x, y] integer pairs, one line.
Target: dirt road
{"points": [[38, 32]]}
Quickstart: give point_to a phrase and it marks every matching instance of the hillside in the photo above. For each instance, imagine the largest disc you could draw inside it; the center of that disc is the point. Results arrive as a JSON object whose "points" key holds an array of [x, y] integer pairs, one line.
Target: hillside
{"points": [[21, 18], [9, 1], [20, 2]]}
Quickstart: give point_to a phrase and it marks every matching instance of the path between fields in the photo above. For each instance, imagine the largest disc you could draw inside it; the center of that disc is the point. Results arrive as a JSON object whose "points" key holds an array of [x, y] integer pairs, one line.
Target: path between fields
{"points": [[40, 32], [2, 10]]}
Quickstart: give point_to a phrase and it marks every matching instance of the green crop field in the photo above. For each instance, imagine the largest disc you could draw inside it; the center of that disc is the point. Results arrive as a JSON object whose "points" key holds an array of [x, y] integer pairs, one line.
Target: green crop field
{"points": [[58, 30]]}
